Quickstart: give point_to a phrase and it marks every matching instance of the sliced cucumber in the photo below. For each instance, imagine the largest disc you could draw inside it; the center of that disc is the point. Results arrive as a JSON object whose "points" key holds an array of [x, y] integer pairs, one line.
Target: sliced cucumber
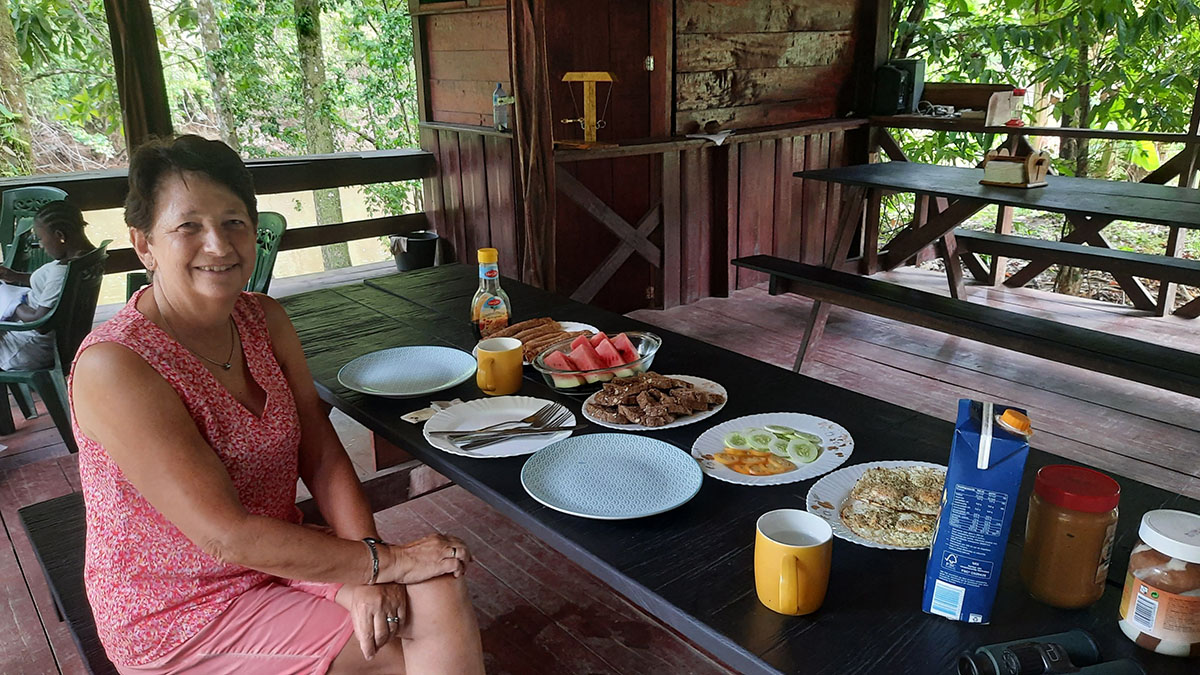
{"points": [[779, 447], [760, 439], [803, 451], [779, 429], [816, 440], [736, 440]]}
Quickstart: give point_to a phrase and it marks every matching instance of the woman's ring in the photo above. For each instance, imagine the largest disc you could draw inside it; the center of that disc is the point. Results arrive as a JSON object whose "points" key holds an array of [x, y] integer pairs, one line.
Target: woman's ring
{"points": [[393, 619]]}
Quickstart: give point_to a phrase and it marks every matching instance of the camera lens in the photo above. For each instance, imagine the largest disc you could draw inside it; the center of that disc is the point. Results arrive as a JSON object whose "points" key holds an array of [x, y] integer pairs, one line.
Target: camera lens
{"points": [[975, 664]]}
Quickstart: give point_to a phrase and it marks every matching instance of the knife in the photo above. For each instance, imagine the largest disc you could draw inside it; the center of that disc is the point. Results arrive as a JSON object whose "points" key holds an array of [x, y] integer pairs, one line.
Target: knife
{"points": [[476, 436]]}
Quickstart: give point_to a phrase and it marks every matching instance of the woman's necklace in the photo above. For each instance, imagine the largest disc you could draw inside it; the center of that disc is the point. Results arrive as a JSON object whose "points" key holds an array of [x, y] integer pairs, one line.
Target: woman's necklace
{"points": [[232, 343]]}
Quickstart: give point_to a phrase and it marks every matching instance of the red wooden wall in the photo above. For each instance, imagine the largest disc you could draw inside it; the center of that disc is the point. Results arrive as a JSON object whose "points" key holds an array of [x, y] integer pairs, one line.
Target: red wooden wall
{"points": [[472, 202], [466, 54]]}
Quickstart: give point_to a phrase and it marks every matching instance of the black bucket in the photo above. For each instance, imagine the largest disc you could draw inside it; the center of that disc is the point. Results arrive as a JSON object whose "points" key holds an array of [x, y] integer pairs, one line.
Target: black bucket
{"points": [[415, 250]]}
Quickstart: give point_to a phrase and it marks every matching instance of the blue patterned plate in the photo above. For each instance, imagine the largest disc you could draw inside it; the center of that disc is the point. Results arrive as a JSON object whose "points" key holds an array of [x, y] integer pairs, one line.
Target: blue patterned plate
{"points": [[406, 372], [611, 476]]}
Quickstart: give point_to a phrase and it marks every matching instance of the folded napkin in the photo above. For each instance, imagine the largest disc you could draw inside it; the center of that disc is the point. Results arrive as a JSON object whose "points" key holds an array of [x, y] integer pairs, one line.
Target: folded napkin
{"points": [[423, 414]]}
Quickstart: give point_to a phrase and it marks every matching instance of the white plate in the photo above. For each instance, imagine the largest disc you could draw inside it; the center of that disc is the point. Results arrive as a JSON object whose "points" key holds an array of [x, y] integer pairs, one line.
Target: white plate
{"points": [[567, 326], [484, 412], [700, 382], [407, 372], [836, 446], [611, 476], [826, 496]]}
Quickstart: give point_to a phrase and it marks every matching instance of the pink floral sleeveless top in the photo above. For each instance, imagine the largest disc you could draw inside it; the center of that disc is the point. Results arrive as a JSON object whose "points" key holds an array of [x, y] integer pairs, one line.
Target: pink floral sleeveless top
{"points": [[150, 587]]}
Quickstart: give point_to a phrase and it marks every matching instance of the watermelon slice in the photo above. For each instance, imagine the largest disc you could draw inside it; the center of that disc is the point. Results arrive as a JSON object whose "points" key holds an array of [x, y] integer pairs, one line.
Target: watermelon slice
{"points": [[581, 340], [586, 358], [613, 359], [598, 338], [608, 354], [560, 361], [628, 353]]}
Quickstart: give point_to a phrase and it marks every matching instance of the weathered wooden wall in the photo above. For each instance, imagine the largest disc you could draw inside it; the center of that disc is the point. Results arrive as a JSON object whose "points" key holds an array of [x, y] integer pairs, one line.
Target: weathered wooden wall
{"points": [[472, 203], [465, 55], [753, 63]]}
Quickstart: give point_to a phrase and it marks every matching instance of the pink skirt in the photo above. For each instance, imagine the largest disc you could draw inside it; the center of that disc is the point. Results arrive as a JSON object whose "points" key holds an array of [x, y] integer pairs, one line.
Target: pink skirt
{"points": [[275, 628]]}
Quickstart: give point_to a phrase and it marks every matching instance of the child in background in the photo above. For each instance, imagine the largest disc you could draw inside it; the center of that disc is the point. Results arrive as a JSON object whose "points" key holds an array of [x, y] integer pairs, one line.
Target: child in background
{"points": [[59, 228]]}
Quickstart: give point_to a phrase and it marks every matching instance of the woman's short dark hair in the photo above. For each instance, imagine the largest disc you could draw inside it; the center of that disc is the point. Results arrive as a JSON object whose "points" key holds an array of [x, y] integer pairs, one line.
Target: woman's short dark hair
{"points": [[61, 215], [156, 158]]}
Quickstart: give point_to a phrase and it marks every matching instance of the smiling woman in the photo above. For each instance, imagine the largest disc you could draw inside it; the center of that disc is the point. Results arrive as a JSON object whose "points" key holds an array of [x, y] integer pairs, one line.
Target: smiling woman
{"points": [[196, 556]]}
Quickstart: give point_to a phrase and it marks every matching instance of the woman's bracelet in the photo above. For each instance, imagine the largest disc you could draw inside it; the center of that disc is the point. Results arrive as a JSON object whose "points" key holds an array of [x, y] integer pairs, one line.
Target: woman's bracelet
{"points": [[371, 543]]}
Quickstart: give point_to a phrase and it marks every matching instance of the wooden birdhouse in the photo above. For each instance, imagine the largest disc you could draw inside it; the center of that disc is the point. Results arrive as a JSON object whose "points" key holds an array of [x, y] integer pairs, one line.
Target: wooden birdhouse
{"points": [[1005, 170]]}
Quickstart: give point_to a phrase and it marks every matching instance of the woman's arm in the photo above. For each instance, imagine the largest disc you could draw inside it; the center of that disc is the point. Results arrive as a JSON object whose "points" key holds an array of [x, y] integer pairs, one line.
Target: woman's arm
{"points": [[148, 432], [324, 465]]}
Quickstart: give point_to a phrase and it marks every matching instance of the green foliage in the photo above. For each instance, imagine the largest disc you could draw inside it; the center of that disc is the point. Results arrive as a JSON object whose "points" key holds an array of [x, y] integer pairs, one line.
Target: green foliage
{"points": [[368, 62], [1132, 65], [65, 48]]}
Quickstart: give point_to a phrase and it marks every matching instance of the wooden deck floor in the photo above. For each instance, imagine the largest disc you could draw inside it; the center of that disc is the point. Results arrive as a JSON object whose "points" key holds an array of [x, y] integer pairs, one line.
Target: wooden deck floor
{"points": [[538, 612], [1123, 427]]}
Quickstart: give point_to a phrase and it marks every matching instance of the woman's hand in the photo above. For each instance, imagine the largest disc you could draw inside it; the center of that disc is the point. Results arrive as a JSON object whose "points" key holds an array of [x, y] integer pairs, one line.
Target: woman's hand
{"points": [[7, 275], [376, 612], [428, 557]]}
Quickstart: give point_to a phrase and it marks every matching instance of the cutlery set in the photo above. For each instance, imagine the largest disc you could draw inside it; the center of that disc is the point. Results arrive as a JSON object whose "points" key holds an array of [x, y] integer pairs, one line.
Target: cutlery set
{"points": [[549, 419]]}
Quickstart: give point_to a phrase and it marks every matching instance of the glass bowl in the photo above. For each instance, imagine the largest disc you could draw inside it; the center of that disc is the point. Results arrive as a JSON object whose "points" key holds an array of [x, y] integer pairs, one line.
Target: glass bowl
{"points": [[588, 381]]}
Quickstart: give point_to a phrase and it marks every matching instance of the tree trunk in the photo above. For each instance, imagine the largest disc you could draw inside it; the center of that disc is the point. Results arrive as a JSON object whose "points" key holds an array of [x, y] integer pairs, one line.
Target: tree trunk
{"points": [[318, 124], [210, 37], [1069, 280], [16, 139], [904, 40]]}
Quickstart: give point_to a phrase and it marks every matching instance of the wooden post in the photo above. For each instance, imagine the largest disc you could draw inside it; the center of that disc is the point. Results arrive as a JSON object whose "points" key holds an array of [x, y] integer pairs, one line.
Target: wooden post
{"points": [[140, 85], [1004, 216]]}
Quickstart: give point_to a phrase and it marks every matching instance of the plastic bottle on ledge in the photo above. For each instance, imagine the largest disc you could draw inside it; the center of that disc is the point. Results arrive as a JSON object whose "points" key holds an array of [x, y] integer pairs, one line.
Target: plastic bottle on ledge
{"points": [[1016, 108], [500, 101], [490, 308]]}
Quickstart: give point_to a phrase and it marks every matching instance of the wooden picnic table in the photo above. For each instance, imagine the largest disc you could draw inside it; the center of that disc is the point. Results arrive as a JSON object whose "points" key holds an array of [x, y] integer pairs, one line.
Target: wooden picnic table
{"points": [[693, 567], [956, 195]]}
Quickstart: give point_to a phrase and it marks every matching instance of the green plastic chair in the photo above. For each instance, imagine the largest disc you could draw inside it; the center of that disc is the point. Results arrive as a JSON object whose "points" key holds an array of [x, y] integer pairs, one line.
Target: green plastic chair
{"points": [[23, 202], [71, 320], [271, 226], [270, 233]]}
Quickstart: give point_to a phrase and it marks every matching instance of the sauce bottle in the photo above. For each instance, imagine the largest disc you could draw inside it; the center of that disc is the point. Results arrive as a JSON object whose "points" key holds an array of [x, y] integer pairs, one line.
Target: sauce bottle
{"points": [[490, 309]]}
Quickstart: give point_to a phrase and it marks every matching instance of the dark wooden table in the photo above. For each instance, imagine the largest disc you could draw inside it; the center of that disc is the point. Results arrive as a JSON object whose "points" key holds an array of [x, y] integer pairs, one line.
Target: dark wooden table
{"points": [[693, 567], [955, 195]]}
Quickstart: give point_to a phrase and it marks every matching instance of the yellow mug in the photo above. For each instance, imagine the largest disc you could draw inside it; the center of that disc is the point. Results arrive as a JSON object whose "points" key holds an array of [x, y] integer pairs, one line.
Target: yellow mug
{"points": [[792, 553], [500, 366]]}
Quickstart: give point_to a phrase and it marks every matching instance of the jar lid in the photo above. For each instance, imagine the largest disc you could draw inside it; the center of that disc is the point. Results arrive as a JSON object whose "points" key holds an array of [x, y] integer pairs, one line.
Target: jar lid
{"points": [[488, 255], [1077, 488], [1173, 533]]}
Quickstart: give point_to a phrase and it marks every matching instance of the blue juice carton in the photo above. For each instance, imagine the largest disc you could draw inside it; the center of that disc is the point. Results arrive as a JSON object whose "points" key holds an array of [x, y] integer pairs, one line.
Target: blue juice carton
{"points": [[987, 459]]}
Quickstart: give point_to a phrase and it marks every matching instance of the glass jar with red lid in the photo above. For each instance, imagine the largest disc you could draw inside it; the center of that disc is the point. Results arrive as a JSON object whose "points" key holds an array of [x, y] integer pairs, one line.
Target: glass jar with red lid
{"points": [[1069, 535]]}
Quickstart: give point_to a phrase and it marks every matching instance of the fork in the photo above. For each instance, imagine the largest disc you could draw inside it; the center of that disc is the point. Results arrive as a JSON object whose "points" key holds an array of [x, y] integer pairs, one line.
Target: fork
{"points": [[537, 418], [559, 418]]}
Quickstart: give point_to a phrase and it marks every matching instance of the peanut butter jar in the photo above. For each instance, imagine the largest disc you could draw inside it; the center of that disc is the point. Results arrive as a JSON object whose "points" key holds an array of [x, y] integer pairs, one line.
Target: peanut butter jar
{"points": [[1069, 535], [1160, 606]]}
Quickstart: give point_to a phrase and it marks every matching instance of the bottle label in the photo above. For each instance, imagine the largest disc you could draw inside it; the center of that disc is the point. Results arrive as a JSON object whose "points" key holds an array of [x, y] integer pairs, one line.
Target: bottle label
{"points": [[489, 271], [1161, 614], [492, 315]]}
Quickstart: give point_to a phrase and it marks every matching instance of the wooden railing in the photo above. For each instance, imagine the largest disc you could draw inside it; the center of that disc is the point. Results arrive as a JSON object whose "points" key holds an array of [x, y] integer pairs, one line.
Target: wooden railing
{"points": [[90, 190]]}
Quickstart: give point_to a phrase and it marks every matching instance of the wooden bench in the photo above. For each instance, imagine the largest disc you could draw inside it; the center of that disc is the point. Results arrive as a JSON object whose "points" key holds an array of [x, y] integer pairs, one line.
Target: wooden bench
{"points": [[56, 530], [1115, 261], [1122, 357]]}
